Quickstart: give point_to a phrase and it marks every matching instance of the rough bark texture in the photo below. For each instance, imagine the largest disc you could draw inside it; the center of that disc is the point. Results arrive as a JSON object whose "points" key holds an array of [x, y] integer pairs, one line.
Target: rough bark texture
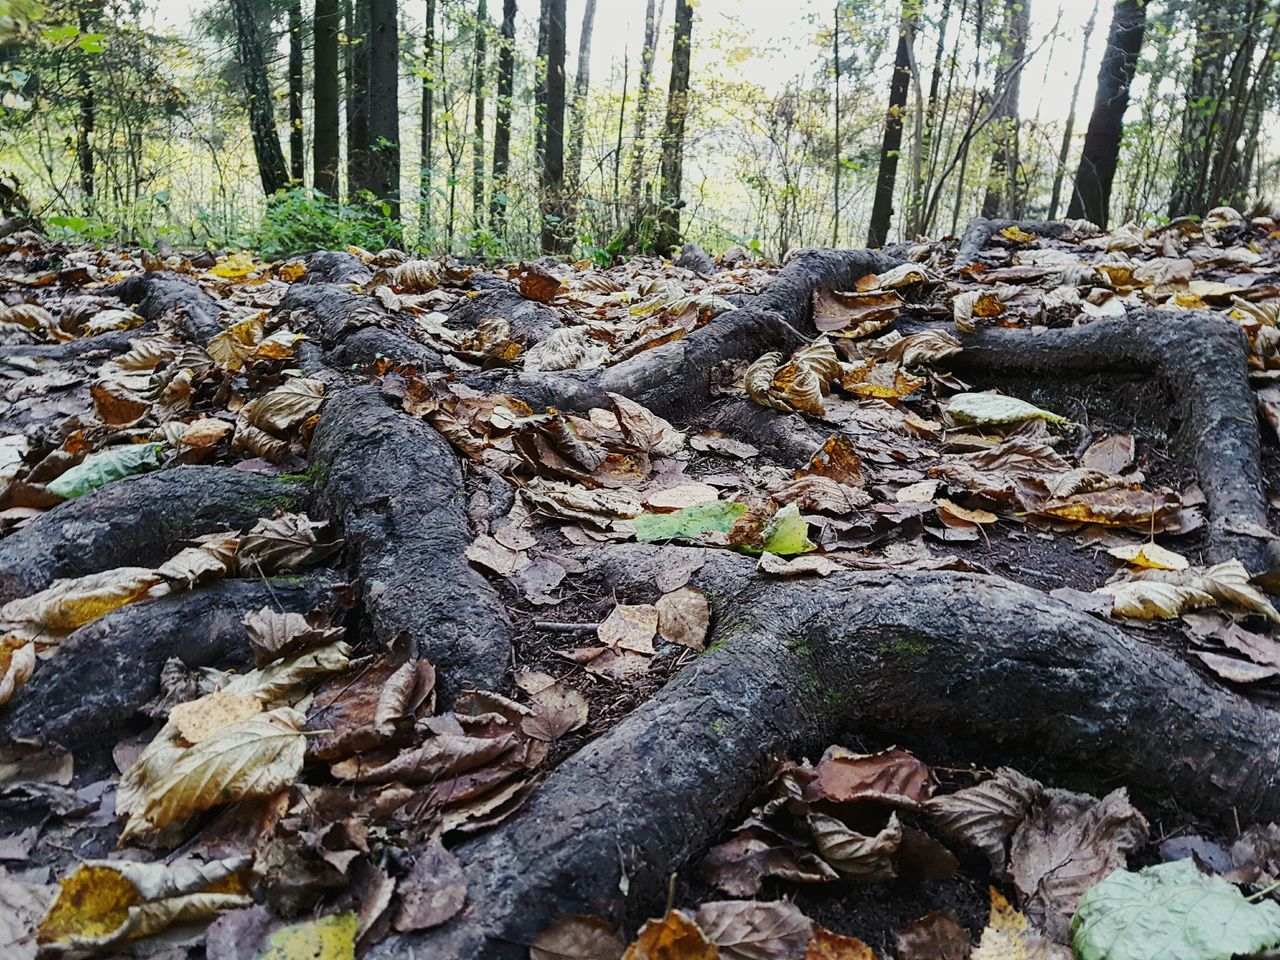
{"points": [[324, 92], [552, 169], [502, 113], [395, 487], [798, 662], [891, 145], [980, 230], [672, 166], [651, 23], [138, 521], [384, 103], [174, 298], [1002, 194], [250, 47], [297, 142], [1091, 198], [105, 671]]}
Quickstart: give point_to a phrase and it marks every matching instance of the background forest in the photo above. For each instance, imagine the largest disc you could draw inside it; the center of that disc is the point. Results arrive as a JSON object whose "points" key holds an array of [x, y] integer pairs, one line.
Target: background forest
{"points": [[489, 127]]}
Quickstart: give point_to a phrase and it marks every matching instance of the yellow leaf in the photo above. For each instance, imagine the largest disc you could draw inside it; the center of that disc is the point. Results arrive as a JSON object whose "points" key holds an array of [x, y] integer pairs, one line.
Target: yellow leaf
{"points": [[199, 719], [1017, 235], [1149, 555], [284, 408], [254, 758], [293, 270], [67, 605], [230, 347], [329, 938], [235, 267], [1010, 936], [826, 945], [1153, 600], [674, 937]]}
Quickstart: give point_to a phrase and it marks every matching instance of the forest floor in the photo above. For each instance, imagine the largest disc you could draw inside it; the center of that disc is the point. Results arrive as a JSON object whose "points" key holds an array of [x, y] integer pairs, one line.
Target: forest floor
{"points": [[876, 604]]}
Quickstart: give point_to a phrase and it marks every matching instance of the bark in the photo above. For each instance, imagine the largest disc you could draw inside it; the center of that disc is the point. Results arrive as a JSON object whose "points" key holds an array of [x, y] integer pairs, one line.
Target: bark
{"points": [[890, 147], [925, 152], [1100, 155], [502, 116], [324, 98], [792, 665], [250, 51], [85, 122], [837, 168], [540, 88], [428, 117], [652, 21], [672, 166], [1065, 150], [1002, 196], [581, 86], [173, 299], [359, 160], [297, 147], [138, 521], [384, 104], [477, 100], [552, 173]]}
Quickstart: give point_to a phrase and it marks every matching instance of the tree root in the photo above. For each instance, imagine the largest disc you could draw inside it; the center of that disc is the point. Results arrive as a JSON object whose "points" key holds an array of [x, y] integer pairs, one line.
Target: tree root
{"points": [[395, 487], [88, 697], [1201, 358], [158, 294], [794, 664], [980, 230], [138, 521]]}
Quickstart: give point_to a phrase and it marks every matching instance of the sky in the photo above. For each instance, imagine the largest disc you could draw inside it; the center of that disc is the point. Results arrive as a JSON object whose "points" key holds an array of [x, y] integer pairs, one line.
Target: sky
{"points": [[780, 34]]}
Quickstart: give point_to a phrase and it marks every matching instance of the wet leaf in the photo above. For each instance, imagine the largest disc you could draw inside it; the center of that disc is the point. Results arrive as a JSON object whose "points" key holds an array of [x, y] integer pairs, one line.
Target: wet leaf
{"points": [[755, 930], [740, 865], [893, 776], [329, 938], [283, 410], [67, 605], [674, 937], [433, 892], [787, 533], [99, 469], [994, 409], [1171, 911]]}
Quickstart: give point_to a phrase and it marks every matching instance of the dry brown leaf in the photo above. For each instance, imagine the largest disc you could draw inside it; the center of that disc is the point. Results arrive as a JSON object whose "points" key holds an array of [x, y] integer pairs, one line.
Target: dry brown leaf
{"points": [[864, 858], [740, 865], [199, 719], [275, 634], [434, 891], [826, 945], [837, 460], [865, 312], [1009, 936], [1111, 454], [21, 907], [684, 617], [935, 936], [254, 758], [205, 432], [284, 409], [285, 542], [985, 816], [644, 429], [1153, 600], [630, 627], [893, 776], [578, 937], [755, 930], [556, 707], [810, 564], [538, 284]]}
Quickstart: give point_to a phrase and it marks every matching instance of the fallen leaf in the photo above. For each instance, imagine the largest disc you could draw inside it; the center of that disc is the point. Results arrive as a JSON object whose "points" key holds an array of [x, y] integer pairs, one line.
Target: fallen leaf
{"points": [[578, 937], [1149, 555], [986, 815], [67, 605], [826, 945], [674, 937], [99, 469], [199, 719], [630, 627], [1008, 935], [754, 930], [862, 857], [1111, 454], [21, 907], [329, 938], [433, 892], [935, 936], [684, 617], [893, 776], [994, 409], [284, 543]]}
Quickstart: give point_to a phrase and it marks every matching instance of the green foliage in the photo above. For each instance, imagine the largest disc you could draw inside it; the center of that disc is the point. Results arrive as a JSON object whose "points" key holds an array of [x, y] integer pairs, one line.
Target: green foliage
{"points": [[301, 220], [692, 524], [1170, 911], [99, 469]]}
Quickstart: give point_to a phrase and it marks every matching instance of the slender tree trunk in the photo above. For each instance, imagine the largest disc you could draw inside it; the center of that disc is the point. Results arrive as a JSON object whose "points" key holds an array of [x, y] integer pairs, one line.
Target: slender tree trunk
{"points": [[297, 143], [384, 106], [326, 158], [477, 99], [502, 116], [540, 89], [652, 21], [672, 167], [428, 115], [1065, 150], [581, 85], [359, 173], [84, 127], [1091, 197], [838, 157], [250, 51], [617, 150], [1002, 192], [925, 151], [552, 237], [891, 145]]}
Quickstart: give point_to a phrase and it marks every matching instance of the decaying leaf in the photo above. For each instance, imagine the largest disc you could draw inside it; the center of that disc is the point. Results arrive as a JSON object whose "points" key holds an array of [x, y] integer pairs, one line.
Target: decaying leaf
{"points": [[1008, 935], [630, 627], [67, 605], [755, 930], [285, 542], [578, 937], [434, 891], [199, 719], [675, 937], [994, 409], [684, 617], [985, 816]]}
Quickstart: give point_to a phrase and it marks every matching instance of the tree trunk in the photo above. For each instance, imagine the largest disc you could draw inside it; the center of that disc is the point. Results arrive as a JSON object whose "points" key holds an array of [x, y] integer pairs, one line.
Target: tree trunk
{"points": [[1092, 195], [326, 158], [1065, 150], [836, 167], [477, 100], [672, 168], [925, 151], [882, 208], [297, 144], [359, 173], [540, 89], [251, 52], [1002, 196], [84, 128], [384, 107], [581, 84], [502, 116], [652, 20], [428, 111], [552, 180]]}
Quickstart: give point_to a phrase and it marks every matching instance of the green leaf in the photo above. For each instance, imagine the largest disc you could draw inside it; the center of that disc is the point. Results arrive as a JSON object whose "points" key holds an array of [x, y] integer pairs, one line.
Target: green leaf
{"points": [[329, 938], [693, 523], [990, 409], [99, 469], [1170, 911], [787, 533]]}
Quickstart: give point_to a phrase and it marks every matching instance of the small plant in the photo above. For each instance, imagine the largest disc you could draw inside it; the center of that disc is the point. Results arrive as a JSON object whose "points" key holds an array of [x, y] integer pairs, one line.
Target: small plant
{"points": [[301, 220]]}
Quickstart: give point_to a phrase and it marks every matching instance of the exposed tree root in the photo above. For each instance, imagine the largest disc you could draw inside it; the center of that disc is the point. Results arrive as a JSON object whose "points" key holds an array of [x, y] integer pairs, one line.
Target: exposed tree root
{"points": [[794, 663], [1201, 358], [395, 487], [138, 521], [164, 294], [108, 669], [980, 230]]}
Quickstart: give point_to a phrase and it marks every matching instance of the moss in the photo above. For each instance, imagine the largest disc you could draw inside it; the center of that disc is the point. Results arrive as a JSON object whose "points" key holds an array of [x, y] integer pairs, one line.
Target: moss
{"points": [[911, 647], [316, 475], [720, 726], [801, 645], [289, 581]]}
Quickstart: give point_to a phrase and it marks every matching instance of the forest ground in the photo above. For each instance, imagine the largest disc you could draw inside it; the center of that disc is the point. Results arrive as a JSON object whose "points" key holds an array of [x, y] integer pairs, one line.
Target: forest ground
{"points": [[415, 608]]}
